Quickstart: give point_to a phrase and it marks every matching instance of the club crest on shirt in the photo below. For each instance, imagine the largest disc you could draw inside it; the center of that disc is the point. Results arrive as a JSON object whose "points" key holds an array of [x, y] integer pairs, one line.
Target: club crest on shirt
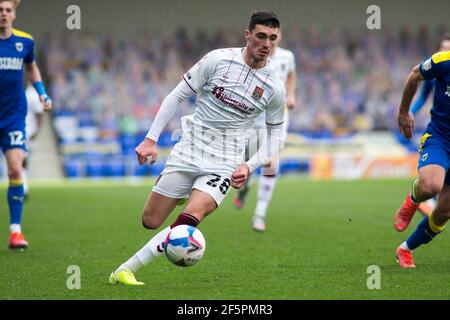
{"points": [[448, 91], [19, 46], [257, 93]]}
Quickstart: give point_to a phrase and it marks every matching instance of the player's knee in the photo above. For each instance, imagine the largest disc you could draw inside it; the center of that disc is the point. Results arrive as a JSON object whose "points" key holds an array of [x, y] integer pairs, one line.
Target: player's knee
{"points": [[150, 222], [431, 187], [15, 172]]}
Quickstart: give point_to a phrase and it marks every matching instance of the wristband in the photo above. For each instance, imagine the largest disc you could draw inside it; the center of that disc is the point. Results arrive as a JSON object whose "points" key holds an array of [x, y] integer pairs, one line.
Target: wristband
{"points": [[40, 89]]}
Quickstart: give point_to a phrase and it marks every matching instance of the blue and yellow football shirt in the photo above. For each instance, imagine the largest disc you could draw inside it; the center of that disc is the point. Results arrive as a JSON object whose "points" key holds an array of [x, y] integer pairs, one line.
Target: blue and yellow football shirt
{"points": [[438, 67], [14, 52]]}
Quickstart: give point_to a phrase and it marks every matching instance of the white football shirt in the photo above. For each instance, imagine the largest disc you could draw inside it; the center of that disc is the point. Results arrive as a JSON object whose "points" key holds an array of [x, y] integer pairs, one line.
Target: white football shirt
{"points": [[34, 107], [230, 96], [283, 63]]}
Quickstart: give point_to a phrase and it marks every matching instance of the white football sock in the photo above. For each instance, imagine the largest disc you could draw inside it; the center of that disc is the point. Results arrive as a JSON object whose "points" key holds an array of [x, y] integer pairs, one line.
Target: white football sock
{"points": [[15, 228], [154, 248], [404, 245], [265, 190]]}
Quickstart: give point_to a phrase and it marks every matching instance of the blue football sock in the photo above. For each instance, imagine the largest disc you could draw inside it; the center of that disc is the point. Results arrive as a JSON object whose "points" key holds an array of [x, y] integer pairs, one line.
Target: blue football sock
{"points": [[424, 233], [15, 201]]}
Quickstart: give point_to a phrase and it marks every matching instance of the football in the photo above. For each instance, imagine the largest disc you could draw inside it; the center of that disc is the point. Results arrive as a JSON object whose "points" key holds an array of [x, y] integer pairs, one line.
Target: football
{"points": [[185, 245]]}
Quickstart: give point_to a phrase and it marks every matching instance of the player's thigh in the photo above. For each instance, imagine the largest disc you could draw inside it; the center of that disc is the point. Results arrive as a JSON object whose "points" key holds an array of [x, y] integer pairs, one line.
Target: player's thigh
{"points": [[213, 188], [14, 159], [167, 192], [433, 162], [200, 204]]}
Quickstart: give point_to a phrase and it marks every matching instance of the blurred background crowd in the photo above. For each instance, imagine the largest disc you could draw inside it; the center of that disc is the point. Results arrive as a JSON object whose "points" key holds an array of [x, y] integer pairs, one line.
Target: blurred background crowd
{"points": [[347, 80]]}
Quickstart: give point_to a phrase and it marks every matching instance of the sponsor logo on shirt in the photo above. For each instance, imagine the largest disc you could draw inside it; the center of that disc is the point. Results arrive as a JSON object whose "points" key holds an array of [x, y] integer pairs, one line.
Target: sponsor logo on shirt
{"points": [[11, 63], [218, 93]]}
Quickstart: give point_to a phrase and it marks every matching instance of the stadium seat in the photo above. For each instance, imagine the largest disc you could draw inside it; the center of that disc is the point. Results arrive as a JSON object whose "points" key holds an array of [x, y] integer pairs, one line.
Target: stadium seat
{"points": [[291, 166], [94, 168], [157, 168], [113, 167], [127, 143], [142, 171], [73, 168]]}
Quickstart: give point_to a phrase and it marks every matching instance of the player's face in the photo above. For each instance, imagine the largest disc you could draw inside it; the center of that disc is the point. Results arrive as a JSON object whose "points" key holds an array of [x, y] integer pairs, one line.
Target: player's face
{"points": [[7, 14], [261, 41], [445, 45]]}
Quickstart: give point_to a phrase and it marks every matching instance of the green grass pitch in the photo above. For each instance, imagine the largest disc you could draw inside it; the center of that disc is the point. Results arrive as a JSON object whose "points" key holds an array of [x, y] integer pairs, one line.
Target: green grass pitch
{"points": [[321, 238]]}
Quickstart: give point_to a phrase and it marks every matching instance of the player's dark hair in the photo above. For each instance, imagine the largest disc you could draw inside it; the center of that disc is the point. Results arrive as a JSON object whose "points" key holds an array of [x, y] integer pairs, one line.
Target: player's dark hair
{"points": [[265, 18]]}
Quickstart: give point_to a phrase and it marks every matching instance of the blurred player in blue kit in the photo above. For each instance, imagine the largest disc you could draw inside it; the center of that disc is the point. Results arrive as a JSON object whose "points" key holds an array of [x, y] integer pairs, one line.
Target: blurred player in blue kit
{"points": [[16, 55], [434, 161]]}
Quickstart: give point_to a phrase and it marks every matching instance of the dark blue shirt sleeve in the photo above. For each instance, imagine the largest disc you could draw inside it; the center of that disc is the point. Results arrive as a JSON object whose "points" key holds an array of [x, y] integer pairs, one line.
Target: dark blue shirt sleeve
{"points": [[30, 56], [435, 66]]}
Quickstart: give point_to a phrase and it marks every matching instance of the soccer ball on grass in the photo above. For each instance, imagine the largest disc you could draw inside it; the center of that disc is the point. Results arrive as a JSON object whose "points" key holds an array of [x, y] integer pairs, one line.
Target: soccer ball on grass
{"points": [[185, 245]]}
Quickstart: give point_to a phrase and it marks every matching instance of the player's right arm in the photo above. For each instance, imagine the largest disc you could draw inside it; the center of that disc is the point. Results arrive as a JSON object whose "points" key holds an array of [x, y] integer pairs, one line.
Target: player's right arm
{"points": [[169, 106], [192, 82], [405, 118], [291, 84], [423, 96], [434, 67]]}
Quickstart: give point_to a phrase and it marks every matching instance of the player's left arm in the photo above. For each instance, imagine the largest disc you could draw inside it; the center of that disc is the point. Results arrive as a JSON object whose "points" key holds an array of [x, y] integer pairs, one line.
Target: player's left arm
{"points": [[34, 76], [434, 67], [291, 84], [268, 154], [405, 117], [423, 96]]}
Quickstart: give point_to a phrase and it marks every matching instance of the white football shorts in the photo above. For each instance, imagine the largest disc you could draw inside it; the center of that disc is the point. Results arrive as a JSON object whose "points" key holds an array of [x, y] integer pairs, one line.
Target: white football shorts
{"points": [[179, 185]]}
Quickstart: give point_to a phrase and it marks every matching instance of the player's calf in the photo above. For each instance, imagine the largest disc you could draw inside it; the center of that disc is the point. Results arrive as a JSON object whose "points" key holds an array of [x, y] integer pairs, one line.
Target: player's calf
{"points": [[441, 213]]}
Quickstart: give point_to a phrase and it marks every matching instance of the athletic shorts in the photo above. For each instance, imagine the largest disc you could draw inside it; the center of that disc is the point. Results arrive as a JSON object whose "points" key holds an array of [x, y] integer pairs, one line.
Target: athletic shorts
{"points": [[179, 185], [13, 136], [435, 150]]}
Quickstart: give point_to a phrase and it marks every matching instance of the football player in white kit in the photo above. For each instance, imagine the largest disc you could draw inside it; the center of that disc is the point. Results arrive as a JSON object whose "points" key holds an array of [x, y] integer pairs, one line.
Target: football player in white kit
{"points": [[283, 61], [233, 86], [33, 123]]}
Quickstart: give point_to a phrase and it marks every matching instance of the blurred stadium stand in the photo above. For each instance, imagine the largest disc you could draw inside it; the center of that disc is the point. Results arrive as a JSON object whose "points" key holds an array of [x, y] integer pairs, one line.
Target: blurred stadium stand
{"points": [[108, 80]]}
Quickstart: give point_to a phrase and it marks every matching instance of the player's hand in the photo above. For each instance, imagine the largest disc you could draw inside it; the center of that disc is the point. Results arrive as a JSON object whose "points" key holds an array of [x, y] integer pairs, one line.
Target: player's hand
{"points": [[46, 102], [240, 176], [290, 103], [406, 124], [146, 149]]}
